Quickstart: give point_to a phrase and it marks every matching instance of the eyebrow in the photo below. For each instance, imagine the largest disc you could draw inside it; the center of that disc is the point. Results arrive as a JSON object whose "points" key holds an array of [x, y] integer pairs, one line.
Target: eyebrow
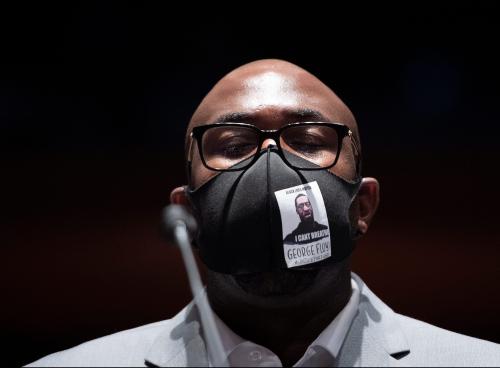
{"points": [[234, 117], [295, 115], [308, 114]]}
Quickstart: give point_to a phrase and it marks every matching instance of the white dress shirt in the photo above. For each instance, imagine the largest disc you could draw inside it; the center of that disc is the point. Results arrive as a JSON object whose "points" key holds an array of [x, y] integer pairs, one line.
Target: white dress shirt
{"points": [[321, 352]]}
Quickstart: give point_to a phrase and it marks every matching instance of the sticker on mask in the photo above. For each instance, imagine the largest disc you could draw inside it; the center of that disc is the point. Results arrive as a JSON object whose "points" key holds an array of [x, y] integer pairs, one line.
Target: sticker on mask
{"points": [[306, 234]]}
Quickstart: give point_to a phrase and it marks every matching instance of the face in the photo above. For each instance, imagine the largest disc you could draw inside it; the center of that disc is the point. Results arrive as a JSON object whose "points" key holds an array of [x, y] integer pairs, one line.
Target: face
{"points": [[304, 209]]}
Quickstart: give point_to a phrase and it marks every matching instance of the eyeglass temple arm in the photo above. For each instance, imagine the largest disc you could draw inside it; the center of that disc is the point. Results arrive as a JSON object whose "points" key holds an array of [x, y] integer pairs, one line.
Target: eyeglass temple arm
{"points": [[357, 151], [189, 158]]}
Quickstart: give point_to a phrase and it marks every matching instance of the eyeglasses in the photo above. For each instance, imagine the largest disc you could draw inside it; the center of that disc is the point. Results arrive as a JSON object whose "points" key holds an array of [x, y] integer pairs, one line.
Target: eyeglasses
{"points": [[302, 205], [223, 146]]}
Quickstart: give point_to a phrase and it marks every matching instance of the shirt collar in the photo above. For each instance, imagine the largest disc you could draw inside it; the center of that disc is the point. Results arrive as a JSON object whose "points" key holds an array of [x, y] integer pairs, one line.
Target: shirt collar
{"points": [[230, 340], [331, 339]]}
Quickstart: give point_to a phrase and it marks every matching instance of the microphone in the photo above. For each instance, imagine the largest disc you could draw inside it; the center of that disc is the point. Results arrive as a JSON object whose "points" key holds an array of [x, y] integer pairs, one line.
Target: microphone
{"points": [[179, 226], [174, 215]]}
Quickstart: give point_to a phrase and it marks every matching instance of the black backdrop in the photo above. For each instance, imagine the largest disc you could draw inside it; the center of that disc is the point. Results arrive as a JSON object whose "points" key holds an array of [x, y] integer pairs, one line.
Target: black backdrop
{"points": [[94, 100]]}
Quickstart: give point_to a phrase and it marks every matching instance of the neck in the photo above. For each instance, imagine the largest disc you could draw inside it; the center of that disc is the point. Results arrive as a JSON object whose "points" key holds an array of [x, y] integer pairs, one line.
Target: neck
{"points": [[287, 329], [308, 220]]}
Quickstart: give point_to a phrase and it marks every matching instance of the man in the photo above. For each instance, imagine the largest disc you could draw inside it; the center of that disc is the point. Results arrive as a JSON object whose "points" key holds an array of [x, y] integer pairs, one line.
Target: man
{"points": [[268, 128], [307, 225]]}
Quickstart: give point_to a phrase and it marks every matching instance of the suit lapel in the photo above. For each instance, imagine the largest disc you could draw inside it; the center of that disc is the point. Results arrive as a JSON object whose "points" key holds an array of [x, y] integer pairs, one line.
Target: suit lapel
{"points": [[375, 337]]}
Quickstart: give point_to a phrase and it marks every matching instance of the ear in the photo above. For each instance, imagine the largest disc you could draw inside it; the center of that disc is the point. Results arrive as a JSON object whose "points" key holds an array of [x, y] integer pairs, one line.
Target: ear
{"points": [[178, 196], [368, 198]]}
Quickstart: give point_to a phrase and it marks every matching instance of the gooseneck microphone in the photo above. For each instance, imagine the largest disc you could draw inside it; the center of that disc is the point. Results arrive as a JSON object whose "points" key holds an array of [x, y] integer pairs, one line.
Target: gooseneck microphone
{"points": [[178, 225]]}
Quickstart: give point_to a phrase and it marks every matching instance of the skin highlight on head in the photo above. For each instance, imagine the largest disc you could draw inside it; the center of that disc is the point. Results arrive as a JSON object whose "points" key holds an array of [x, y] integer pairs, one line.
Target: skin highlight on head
{"points": [[270, 94]]}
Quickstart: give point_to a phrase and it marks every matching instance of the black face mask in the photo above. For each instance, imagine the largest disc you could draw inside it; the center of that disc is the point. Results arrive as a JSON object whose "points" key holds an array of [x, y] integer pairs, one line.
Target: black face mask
{"points": [[271, 216]]}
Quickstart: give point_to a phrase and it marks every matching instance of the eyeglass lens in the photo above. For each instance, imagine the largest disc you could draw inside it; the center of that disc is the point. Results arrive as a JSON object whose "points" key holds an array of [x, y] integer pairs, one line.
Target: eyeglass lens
{"points": [[305, 204], [226, 146]]}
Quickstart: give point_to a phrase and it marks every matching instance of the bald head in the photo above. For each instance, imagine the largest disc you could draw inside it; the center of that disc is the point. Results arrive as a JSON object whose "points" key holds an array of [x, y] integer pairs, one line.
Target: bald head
{"points": [[275, 84], [269, 94]]}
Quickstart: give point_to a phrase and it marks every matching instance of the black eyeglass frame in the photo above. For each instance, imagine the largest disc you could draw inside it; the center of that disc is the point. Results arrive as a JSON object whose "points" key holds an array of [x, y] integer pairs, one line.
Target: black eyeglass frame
{"points": [[341, 129]]}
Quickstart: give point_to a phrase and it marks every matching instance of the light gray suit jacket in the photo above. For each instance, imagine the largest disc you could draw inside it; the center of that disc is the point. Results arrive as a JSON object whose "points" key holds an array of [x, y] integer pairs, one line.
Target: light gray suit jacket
{"points": [[378, 337]]}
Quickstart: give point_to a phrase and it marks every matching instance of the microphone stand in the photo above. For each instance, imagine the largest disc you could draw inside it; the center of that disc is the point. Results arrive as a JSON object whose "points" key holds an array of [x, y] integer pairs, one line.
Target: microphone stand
{"points": [[180, 218]]}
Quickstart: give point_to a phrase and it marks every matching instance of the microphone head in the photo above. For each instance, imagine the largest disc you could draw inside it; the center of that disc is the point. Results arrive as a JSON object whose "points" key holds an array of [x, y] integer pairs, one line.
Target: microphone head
{"points": [[174, 214]]}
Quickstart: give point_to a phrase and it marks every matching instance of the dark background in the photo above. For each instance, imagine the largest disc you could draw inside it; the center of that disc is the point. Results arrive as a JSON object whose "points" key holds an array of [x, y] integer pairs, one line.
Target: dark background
{"points": [[94, 101]]}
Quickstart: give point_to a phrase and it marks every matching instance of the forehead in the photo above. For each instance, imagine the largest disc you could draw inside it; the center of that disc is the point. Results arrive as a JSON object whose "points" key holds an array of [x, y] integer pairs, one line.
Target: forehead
{"points": [[270, 99], [302, 199], [269, 89]]}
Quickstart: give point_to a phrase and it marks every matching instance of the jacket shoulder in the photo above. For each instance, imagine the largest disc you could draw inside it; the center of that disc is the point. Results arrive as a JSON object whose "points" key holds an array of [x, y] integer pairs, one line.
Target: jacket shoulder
{"points": [[124, 348], [437, 346]]}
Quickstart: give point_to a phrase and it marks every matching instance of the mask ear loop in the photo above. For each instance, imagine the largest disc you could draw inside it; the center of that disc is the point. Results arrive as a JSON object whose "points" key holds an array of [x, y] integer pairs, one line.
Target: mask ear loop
{"points": [[357, 234]]}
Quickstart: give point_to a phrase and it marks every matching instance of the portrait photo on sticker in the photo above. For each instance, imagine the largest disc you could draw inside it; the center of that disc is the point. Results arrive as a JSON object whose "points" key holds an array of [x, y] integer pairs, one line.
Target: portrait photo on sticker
{"points": [[306, 233]]}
